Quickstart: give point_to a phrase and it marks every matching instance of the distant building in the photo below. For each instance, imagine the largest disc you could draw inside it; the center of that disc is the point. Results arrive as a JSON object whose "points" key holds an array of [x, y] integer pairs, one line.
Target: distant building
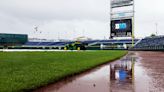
{"points": [[82, 38], [13, 39]]}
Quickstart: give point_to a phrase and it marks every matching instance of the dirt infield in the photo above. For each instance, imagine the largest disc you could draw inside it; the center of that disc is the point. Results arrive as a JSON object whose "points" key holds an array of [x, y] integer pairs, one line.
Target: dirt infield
{"points": [[137, 72], [153, 64]]}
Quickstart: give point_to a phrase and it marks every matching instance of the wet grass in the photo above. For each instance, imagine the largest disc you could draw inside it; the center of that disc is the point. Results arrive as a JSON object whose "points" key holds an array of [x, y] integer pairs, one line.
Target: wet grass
{"points": [[22, 71]]}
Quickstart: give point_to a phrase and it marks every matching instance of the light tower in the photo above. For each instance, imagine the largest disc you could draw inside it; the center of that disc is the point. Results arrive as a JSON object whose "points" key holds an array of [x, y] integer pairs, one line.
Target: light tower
{"points": [[122, 18]]}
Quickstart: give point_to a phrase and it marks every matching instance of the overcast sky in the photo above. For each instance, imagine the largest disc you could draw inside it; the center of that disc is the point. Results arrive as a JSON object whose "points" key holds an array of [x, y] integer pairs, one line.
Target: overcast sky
{"points": [[69, 19]]}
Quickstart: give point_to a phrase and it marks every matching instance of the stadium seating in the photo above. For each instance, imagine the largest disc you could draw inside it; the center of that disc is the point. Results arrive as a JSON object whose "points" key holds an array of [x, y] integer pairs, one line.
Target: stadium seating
{"points": [[87, 42], [91, 41], [46, 43], [31, 43], [119, 41], [150, 43]]}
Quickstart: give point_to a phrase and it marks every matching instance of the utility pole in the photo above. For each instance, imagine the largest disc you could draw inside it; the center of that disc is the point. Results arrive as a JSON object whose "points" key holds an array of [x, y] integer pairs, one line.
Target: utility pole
{"points": [[83, 32], [156, 25], [58, 36]]}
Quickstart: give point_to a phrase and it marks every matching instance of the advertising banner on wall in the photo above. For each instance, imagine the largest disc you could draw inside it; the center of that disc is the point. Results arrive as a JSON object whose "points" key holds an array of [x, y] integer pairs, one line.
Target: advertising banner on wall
{"points": [[121, 15], [121, 28], [121, 3]]}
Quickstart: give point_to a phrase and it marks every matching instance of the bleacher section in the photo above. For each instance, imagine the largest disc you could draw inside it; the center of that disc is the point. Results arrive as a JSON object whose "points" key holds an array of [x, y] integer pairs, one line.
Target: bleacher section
{"points": [[94, 44], [46, 43], [89, 44], [129, 41], [150, 43]]}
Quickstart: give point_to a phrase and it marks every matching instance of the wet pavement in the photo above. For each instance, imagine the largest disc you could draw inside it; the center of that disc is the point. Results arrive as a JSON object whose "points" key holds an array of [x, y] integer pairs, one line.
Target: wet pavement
{"points": [[136, 72]]}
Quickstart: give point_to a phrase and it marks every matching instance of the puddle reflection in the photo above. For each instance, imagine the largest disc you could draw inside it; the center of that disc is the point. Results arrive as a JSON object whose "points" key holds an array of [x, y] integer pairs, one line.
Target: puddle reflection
{"points": [[124, 75]]}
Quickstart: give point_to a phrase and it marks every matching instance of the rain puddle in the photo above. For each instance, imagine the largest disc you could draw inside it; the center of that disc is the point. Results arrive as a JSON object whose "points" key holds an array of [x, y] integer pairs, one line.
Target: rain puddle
{"points": [[125, 75]]}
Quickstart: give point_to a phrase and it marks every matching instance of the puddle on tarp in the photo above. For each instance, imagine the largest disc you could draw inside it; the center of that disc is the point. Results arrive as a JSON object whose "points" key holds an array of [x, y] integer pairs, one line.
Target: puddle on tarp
{"points": [[124, 75]]}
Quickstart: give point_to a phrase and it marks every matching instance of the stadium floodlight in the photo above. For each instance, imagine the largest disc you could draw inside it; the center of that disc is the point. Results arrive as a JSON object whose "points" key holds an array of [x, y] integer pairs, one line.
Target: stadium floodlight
{"points": [[121, 3]]}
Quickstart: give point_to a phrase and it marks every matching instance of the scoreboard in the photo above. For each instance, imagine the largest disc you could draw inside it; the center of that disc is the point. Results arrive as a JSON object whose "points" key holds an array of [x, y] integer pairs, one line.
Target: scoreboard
{"points": [[121, 28], [120, 3]]}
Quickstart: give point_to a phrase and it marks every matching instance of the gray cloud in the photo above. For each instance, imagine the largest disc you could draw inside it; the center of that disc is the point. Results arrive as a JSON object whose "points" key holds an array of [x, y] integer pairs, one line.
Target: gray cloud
{"points": [[69, 18], [56, 9]]}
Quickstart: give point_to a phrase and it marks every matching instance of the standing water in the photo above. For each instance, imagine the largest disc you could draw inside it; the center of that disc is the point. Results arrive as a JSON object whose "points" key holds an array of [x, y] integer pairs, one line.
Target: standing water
{"points": [[132, 73]]}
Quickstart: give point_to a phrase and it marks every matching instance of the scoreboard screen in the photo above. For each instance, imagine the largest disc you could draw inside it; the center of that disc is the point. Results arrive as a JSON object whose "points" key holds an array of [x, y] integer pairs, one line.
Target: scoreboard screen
{"points": [[121, 28]]}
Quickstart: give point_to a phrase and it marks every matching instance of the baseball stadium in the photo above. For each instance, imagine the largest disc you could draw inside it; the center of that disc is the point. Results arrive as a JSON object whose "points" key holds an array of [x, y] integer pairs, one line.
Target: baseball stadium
{"points": [[122, 63]]}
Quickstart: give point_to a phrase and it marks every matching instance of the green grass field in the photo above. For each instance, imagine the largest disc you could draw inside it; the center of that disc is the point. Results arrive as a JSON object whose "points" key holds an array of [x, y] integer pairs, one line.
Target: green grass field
{"points": [[21, 71]]}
